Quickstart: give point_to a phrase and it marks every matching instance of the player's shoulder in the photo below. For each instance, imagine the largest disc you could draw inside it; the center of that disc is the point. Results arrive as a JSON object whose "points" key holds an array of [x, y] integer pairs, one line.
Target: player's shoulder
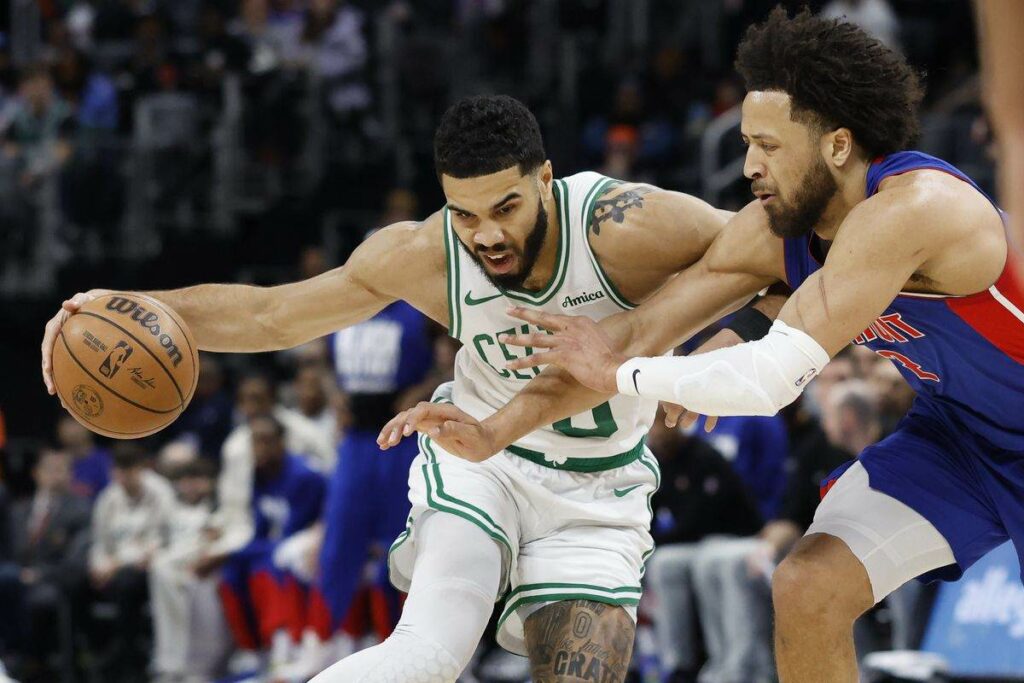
{"points": [[587, 189], [416, 235], [418, 245], [927, 204]]}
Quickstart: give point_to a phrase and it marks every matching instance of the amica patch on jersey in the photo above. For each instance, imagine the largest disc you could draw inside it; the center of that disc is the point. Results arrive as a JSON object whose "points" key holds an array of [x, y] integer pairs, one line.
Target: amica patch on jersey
{"points": [[581, 298]]}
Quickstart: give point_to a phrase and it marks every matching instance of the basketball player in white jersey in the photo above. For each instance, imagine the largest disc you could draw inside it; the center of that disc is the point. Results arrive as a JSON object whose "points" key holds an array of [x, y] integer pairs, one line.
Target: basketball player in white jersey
{"points": [[557, 523]]}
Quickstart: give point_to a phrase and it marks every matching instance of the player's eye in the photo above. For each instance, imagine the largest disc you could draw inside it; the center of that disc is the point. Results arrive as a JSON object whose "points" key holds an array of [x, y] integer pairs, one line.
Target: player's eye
{"points": [[769, 148], [462, 214], [507, 209]]}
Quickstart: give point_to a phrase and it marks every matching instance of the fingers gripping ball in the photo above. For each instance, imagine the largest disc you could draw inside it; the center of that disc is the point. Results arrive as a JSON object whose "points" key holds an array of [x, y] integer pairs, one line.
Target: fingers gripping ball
{"points": [[125, 365]]}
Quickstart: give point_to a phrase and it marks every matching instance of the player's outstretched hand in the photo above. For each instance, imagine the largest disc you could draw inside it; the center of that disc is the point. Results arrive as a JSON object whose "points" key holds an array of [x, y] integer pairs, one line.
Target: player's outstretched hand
{"points": [[678, 415], [574, 343], [454, 430], [53, 329]]}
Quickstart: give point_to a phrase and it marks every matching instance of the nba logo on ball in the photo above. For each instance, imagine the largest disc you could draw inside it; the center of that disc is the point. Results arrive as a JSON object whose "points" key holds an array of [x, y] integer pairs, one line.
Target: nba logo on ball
{"points": [[112, 363], [87, 400]]}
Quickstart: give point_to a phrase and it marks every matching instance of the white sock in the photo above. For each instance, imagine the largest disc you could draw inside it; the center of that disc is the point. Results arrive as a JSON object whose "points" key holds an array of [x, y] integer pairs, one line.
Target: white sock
{"points": [[454, 585]]}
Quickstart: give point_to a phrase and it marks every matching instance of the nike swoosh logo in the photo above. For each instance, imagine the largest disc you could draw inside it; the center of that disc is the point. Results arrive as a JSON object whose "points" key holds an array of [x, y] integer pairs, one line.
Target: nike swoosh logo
{"points": [[635, 373], [470, 301], [619, 493]]}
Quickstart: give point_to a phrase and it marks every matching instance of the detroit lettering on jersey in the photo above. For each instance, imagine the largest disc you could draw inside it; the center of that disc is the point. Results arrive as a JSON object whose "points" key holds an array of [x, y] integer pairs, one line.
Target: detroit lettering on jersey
{"points": [[963, 355], [894, 329], [890, 328]]}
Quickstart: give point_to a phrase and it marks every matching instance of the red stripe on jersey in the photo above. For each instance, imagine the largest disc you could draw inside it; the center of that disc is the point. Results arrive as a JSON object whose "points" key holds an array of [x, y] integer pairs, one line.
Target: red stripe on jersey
{"points": [[991, 319], [1011, 283]]}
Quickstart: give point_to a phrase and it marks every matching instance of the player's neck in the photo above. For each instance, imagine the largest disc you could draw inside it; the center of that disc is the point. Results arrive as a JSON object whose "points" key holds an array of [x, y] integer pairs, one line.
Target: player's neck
{"points": [[852, 189], [547, 260]]}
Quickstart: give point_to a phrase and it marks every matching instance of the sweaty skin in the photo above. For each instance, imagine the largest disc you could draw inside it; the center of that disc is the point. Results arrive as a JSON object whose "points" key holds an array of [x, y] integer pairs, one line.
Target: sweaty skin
{"points": [[642, 236], [659, 234], [923, 231]]}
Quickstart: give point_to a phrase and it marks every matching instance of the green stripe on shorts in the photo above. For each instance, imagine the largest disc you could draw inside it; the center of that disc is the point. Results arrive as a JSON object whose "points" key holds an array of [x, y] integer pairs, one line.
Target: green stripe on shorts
{"points": [[585, 465], [622, 596]]}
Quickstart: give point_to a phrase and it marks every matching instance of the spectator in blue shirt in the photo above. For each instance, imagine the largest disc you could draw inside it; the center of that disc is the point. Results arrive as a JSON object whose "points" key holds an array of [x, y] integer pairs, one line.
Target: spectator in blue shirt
{"points": [[90, 464], [757, 448]]}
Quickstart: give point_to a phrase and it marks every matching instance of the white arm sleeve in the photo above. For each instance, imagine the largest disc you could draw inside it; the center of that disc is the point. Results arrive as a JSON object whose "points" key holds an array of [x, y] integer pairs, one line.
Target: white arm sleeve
{"points": [[756, 378]]}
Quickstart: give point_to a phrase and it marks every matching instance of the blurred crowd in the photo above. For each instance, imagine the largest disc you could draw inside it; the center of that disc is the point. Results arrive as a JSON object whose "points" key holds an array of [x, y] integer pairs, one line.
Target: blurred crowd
{"points": [[735, 500], [128, 123], [152, 143], [250, 538]]}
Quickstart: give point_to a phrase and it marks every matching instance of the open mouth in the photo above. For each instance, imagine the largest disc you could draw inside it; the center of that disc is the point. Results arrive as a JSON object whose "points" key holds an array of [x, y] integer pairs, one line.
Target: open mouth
{"points": [[500, 263], [765, 198]]}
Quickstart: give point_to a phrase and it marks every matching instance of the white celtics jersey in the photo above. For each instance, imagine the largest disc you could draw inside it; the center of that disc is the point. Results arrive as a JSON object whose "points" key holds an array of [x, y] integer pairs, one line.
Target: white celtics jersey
{"points": [[612, 431]]}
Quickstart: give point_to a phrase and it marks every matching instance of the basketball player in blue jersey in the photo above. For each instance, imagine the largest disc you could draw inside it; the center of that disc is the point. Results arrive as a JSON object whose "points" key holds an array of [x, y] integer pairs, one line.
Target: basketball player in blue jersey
{"points": [[376, 363], [558, 523], [895, 250]]}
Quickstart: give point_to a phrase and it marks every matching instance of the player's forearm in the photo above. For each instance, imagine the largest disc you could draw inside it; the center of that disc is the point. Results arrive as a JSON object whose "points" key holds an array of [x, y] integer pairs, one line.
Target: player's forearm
{"points": [[227, 317], [553, 395], [755, 378], [679, 310], [1000, 24], [688, 304]]}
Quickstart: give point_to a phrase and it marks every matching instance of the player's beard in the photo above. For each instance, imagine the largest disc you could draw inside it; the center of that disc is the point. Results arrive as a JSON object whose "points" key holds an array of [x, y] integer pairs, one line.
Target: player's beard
{"points": [[527, 256], [798, 217]]}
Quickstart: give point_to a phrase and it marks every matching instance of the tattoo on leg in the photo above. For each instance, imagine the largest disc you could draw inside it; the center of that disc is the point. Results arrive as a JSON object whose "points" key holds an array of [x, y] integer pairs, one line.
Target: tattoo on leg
{"points": [[614, 208], [579, 640]]}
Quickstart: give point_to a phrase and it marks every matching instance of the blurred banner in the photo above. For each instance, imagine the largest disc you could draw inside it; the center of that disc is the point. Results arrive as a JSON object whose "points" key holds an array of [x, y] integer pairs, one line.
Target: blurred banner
{"points": [[978, 622]]}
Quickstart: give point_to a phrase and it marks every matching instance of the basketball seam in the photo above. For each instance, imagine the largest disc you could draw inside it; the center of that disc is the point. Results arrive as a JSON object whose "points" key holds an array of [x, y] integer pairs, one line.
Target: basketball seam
{"points": [[136, 435], [100, 382], [173, 316], [181, 397]]}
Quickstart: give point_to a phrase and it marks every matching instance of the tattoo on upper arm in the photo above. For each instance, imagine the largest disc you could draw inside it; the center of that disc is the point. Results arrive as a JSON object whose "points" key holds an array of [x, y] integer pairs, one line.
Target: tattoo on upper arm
{"points": [[579, 640], [614, 208]]}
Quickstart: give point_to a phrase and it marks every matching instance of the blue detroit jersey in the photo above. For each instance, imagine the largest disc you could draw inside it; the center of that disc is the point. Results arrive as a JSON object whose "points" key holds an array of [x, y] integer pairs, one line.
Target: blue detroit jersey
{"points": [[289, 502], [963, 355], [385, 354]]}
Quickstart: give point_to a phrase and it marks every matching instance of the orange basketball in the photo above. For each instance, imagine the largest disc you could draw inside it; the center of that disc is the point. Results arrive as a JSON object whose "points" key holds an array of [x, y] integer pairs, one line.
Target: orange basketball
{"points": [[125, 365]]}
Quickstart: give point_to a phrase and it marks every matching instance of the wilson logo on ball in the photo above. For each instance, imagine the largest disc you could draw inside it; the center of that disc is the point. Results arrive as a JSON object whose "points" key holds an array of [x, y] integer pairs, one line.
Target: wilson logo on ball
{"points": [[115, 359], [148, 321]]}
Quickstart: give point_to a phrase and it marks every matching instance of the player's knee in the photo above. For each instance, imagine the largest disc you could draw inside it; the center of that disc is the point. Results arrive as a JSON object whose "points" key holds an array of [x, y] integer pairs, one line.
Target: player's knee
{"points": [[404, 657], [821, 581]]}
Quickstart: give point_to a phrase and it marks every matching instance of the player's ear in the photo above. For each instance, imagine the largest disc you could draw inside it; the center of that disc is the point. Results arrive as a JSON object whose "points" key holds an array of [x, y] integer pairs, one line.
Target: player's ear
{"points": [[546, 176], [839, 146]]}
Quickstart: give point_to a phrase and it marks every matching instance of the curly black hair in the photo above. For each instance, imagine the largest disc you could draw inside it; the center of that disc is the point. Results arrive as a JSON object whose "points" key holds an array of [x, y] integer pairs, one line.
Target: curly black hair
{"points": [[486, 134], [836, 76]]}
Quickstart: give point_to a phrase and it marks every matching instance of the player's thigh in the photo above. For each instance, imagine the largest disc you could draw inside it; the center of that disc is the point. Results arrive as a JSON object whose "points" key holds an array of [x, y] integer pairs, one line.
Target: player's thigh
{"points": [[890, 541], [576, 640]]}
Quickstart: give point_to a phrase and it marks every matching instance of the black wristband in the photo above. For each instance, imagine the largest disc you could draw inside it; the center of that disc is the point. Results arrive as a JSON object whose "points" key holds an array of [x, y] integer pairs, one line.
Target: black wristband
{"points": [[750, 324]]}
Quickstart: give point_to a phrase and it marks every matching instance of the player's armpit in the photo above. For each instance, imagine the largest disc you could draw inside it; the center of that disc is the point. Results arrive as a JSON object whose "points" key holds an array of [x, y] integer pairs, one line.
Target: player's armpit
{"points": [[579, 640]]}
